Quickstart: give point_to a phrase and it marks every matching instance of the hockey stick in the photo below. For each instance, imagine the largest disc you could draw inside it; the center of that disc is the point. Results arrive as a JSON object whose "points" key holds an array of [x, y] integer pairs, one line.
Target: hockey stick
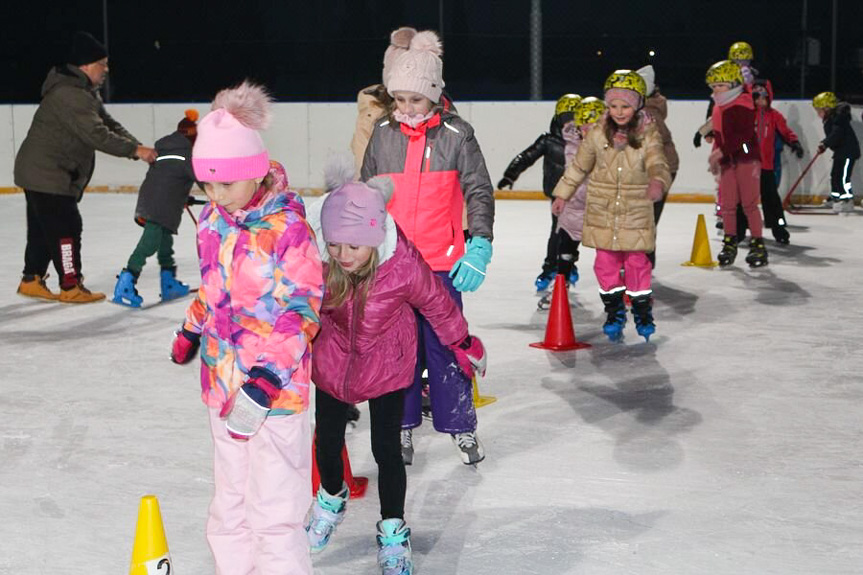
{"points": [[191, 215], [786, 203]]}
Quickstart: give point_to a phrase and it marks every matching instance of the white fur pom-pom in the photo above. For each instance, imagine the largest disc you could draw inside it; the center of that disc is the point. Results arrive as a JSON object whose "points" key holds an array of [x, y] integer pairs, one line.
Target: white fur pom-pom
{"points": [[401, 38], [338, 171], [427, 41], [249, 103], [384, 185]]}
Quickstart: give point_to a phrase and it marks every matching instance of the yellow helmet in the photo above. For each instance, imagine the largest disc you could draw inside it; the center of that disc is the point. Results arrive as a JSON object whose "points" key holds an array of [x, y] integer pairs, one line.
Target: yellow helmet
{"points": [[566, 103], [589, 111], [740, 51], [626, 80], [825, 100], [724, 72]]}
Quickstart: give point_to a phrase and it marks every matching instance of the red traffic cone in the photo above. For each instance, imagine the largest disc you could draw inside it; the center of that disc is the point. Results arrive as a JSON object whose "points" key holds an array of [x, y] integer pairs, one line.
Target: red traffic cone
{"points": [[356, 485], [559, 334]]}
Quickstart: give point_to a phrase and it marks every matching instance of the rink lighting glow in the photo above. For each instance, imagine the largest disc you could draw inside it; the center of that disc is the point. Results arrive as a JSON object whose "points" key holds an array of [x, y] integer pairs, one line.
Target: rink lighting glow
{"points": [[652, 53]]}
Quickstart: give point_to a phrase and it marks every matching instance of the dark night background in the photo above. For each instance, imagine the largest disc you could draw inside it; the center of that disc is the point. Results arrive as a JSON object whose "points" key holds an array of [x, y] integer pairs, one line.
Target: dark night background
{"points": [[326, 51]]}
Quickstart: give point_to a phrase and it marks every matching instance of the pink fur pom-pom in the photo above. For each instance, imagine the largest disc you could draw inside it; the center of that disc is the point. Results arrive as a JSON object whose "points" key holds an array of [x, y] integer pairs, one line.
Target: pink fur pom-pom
{"points": [[401, 38], [427, 41], [249, 103]]}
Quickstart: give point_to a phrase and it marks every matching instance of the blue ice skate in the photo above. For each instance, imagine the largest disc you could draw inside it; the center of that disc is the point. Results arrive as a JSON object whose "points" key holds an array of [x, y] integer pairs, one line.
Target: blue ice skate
{"points": [[172, 288], [642, 313], [573, 276], [394, 547], [616, 319], [326, 514], [544, 280], [125, 292]]}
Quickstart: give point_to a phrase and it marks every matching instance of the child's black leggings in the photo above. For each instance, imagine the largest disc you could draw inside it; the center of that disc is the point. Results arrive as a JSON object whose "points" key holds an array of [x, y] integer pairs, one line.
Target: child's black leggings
{"points": [[386, 424]]}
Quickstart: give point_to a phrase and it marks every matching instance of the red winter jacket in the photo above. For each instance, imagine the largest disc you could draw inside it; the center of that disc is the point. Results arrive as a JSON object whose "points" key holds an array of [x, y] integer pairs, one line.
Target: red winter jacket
{"points": [[361, 354], [734, 130], [767, 122]]}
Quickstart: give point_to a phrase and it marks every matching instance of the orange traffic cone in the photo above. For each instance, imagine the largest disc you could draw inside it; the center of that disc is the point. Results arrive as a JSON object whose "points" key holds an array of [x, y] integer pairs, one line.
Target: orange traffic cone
{"points": [[701, 247], [356, 485], [150, 552], [559, 334]]}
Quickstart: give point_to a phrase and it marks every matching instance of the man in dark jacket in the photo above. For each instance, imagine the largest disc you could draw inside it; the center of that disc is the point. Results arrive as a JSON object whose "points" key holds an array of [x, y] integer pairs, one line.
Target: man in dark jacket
{"points": [[839, 137], [55, 163], [549, 146]]}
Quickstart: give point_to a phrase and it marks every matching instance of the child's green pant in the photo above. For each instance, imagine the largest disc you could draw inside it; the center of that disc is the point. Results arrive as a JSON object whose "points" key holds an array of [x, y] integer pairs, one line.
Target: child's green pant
{"points": [[155, 238]]}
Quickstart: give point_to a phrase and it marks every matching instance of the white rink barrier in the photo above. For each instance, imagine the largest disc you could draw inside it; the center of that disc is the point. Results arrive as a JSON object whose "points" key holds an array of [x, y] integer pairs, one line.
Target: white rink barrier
{"points": [[303, 133]]}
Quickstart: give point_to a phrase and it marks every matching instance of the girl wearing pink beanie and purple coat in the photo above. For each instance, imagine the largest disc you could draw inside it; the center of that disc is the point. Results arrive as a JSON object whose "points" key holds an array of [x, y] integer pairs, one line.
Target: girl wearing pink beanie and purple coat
{"points": [[254, 318], [367, 348]]}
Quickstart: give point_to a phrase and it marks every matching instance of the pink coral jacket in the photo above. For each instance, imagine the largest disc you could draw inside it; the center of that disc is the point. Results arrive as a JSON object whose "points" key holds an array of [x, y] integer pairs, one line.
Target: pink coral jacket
{"points": [[260, 295]]}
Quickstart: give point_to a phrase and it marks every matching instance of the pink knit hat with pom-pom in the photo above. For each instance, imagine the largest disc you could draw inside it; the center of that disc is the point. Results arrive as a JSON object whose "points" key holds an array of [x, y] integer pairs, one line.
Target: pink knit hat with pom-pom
{"points": [[420, 69], [229, 147], [400, 41]]}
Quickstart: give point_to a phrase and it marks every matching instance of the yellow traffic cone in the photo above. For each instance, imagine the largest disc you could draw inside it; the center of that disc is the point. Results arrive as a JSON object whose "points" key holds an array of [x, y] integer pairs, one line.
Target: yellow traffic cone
{"points": [[701, 247], [150, 553], [481, 400]]}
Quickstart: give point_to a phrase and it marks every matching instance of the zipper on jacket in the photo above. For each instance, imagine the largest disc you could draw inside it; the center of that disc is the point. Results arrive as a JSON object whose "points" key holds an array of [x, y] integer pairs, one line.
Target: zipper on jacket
{"points": [[353, 327]]}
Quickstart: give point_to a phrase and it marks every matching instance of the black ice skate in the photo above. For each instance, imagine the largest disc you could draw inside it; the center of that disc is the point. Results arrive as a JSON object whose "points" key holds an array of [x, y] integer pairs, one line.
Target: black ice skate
{"points": [[757, 256], [729, 251], [616, 319], [642, 313]]}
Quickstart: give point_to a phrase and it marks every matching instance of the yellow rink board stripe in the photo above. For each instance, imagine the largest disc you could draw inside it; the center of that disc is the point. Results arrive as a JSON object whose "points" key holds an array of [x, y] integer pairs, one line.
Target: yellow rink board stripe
{"points": [[498, 194]]}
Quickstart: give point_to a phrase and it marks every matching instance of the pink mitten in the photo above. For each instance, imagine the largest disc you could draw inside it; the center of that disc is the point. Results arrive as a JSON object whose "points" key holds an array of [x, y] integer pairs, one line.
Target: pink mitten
{"points": [[557, 206], [654, 190], [470, 355], [185, 346]]}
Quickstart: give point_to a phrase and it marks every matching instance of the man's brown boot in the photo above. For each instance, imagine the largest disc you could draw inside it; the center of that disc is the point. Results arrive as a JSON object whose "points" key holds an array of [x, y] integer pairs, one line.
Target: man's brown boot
{"points": [[34, 286], [80, 294]]}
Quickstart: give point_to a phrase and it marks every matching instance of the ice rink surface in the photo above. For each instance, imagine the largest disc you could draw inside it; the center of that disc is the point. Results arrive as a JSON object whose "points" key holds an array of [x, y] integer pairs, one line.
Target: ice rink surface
{"points": [[730, 444]]}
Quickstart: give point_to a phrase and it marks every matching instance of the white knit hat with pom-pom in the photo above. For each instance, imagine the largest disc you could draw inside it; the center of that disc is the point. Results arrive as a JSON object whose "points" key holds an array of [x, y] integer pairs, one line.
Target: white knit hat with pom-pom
{"points": [[229, 147], [420, 69]]}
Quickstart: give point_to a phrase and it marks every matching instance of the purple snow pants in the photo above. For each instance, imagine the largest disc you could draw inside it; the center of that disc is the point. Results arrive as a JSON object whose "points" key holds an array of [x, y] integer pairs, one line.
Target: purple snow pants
{"points": [[450, 390]]}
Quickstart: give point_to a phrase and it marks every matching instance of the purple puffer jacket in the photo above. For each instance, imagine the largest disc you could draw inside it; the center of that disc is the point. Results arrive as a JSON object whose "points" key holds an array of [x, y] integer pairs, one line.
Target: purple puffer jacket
{"points": [[571, 219], [361, 354]]}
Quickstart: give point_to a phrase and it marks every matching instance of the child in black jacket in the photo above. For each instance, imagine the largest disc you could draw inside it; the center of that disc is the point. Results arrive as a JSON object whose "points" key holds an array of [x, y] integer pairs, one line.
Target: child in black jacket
{"points": [[550, 147], [839, 137], [161, 199]]}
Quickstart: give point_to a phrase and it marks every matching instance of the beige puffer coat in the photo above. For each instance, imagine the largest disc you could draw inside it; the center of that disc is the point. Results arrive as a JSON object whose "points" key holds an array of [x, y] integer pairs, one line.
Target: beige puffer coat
{"points": [[373, 103], [618, 215]]}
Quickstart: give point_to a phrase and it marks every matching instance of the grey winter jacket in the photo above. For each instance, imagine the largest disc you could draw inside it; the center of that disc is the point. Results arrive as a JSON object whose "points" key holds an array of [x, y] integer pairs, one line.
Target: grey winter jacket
{"points": [[451, 158], [165, 189], [58, 154]]}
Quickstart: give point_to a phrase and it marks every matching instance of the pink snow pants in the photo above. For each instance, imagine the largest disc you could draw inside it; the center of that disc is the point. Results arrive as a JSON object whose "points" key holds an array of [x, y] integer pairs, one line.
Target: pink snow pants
{"points": [[263, 491], [741, 183], [636, 271]]}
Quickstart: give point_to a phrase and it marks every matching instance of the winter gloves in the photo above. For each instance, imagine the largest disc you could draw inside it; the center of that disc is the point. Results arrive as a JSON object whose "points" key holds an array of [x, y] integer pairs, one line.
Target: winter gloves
{"points": [[246, 411], [470, 355], [185, 346], [654, 190], [468, 272], [797, 149], [504, 183]]}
